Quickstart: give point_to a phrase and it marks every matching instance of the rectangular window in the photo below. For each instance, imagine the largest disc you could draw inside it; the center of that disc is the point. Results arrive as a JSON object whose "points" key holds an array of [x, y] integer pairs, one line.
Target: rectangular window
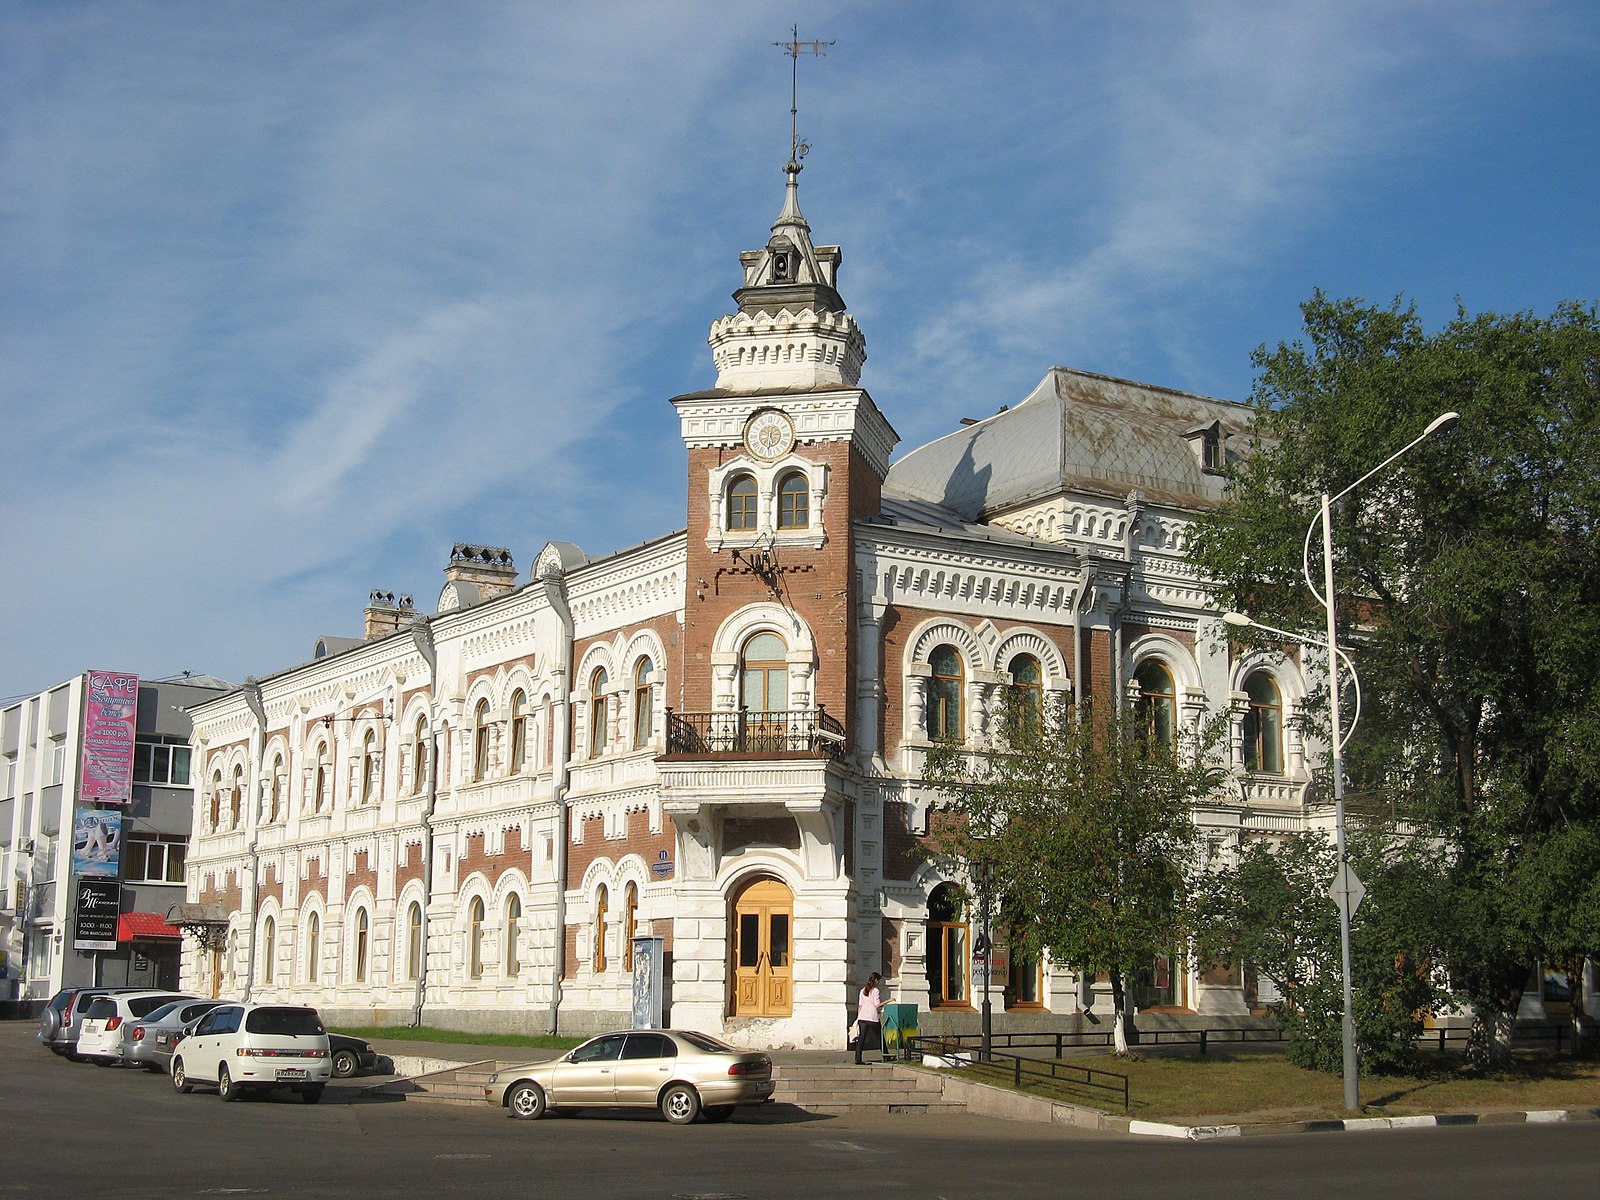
{"points": [[161, 762], [154, 860]]}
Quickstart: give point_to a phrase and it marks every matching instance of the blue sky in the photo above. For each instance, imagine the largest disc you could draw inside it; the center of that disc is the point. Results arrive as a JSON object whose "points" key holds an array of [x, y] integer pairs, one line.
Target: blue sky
{"points": [[295, 295]]}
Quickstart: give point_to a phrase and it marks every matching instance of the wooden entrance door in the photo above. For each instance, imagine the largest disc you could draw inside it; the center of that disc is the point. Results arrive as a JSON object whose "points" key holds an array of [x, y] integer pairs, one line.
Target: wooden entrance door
{"points": [[763, 917]]}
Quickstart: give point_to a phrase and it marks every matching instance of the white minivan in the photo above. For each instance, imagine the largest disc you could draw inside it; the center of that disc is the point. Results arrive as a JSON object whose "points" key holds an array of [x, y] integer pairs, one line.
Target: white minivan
{"points": [[255, 1046]]}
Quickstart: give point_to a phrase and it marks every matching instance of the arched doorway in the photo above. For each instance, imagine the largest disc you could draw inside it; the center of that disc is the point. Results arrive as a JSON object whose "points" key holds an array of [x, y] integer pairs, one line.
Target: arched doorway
{"points": [[763, 915], [949, 948]]}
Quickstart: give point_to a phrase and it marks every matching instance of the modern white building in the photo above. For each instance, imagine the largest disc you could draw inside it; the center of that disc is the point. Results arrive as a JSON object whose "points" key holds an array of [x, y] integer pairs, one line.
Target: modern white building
{"points": [[137, 850], [716, 737]]}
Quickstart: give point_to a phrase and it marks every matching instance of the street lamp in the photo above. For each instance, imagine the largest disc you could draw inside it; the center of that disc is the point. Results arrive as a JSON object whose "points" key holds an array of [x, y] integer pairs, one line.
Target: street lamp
{"points": [[1345, 883]]}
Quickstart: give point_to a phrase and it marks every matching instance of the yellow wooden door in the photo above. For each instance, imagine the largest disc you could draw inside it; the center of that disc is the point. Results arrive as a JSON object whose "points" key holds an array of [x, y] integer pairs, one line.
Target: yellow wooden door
{"points": [[763, 917]]}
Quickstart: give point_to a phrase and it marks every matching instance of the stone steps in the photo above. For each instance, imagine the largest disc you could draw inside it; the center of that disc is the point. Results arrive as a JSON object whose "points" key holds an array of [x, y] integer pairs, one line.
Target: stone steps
{"points": [[823, 1087]]}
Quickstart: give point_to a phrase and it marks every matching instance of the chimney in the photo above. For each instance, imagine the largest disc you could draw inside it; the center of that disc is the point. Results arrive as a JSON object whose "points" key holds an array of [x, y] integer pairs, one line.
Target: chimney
{"points": [[488, 568], [385, 613]]}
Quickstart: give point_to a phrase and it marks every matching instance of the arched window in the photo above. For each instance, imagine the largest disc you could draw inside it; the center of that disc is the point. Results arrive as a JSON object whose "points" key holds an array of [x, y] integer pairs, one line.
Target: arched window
{"points": [[597, 712], [475, 916], [480, 741], [313, 946], [519, 731], [643, 704], [419, 755], [1158, 701], [794, 502], [275, 791], [369, 767], [321, 778], [236, 799], [216, 801], [742, 503], [764, 677], [601, 908], [269, 950], [1026, 695], [360, 950], [1263, 726], [414, 941], [630, 923], [949, 950], [512, 958], [945, 688]]}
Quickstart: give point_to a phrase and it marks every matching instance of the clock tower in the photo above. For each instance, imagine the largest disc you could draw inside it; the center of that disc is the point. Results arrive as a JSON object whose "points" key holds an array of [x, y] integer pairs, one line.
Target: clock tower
{"points": [[784, 453]]}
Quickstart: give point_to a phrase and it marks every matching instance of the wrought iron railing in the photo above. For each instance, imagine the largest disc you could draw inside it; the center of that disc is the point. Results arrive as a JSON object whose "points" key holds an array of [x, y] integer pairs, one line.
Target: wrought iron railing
{"points": [[743, 731]]}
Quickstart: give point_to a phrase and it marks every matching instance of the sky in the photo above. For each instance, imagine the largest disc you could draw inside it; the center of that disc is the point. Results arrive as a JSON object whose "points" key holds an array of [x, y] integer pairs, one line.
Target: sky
{"points": [[296, 294]]}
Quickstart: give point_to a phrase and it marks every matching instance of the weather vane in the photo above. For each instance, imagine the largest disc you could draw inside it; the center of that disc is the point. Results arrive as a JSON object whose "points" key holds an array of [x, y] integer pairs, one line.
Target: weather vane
{"points": [[793, 47]]}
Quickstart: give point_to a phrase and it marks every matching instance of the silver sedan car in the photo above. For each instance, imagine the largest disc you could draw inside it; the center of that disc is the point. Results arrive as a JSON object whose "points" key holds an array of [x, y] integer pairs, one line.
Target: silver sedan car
{"points": [[683, 1073], [148, 1043]]}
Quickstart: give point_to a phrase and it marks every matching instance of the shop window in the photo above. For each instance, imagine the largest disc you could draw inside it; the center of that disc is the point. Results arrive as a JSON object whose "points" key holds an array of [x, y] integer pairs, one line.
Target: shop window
{"points": [[949, 948]]}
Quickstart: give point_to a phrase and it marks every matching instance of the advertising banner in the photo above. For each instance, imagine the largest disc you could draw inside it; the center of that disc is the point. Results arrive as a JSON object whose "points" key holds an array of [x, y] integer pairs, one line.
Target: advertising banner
{"points": [[97, 842], [94, 925], [106, 769]]}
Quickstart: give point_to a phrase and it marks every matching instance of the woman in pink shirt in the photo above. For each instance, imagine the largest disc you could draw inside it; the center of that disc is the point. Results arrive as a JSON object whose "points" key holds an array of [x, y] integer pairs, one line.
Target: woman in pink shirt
{"points": [[869, 1018]]}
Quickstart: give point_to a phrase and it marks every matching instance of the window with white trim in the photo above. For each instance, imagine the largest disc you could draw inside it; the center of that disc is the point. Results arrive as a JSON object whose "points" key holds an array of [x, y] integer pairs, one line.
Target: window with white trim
{"points": [[152, 858]]}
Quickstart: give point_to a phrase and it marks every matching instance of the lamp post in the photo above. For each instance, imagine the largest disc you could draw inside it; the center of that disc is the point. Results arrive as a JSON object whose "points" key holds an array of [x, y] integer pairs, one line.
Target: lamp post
{"points": [[1345, 883], [985, 949]]}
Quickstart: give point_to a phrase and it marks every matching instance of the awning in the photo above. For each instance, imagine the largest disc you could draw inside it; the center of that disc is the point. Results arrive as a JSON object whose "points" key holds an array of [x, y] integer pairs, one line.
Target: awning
{"points": [[144, 925], [198, 914]]}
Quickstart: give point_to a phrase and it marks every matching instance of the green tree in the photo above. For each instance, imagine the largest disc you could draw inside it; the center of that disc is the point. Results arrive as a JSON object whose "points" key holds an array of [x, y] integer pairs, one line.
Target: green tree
{"points": [[1271, 909], [1084, 818], [1472, 570]]}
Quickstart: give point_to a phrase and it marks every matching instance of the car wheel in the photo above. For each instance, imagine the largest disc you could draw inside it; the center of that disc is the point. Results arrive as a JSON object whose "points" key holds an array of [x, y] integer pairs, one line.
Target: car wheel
{"points": [[312, 1094], [680, 1104], [717, 1113], [344, 1064], [180, 1077], [526, 1101], [226, 1088]]}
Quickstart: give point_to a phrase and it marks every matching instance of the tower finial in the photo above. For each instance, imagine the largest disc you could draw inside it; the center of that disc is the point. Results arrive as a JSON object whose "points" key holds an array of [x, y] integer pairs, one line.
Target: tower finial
{"points": [[793, 47]]}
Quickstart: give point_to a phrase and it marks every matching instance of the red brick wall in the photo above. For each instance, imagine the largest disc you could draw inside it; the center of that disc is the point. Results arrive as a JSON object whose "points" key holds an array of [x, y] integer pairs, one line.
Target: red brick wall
{"points": [[412, 870], [225, 891], [493, 866], [639, 840], [271, 885], [818, 584], [361, 874]]}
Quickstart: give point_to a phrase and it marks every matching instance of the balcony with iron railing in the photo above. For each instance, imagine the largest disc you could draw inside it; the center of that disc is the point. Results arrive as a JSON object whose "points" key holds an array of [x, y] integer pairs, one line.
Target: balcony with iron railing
{"points": [[803, 731]]}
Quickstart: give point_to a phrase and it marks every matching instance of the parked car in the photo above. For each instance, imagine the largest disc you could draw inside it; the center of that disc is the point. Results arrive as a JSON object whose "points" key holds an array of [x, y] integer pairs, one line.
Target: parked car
{"points": [[148, 1042], [350, 1054], [58, 1023], [100, 1030], [236, 1047], [679, 1071]]}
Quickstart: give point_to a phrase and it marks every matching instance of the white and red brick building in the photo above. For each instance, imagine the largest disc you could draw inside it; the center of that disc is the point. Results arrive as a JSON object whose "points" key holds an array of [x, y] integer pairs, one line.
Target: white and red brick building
{"points": [[716, 737]]}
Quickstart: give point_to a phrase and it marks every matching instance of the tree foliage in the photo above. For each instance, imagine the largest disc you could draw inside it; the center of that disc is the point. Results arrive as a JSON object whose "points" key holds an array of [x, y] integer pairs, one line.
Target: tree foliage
{"points": [[1271, 908], [1472, 570], [1085, 820]]}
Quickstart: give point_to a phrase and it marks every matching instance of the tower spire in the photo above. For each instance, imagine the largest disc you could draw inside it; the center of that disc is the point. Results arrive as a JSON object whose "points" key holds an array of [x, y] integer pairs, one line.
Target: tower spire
{"points": [[793, 48]]}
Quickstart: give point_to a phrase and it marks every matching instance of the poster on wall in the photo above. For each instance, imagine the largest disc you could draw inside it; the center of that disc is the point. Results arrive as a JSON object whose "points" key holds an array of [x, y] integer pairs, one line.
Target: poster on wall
{"points": [[94, 924], [112, 708], [97, 842]]}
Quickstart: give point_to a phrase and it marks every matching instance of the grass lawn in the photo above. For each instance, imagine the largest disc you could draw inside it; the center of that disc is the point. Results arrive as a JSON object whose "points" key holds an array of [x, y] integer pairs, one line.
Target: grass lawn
{"points": [[429, 1033], [1258, 1088]]}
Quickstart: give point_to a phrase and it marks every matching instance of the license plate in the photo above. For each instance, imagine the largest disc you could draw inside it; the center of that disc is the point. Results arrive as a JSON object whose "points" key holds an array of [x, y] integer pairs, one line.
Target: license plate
{"points": [[763, 1087], [161, 1039], [291, 1073]]}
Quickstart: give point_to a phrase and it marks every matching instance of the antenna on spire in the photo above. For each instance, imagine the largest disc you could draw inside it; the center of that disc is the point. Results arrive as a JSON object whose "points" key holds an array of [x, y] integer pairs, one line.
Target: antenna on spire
{"points": [[793, 48]]}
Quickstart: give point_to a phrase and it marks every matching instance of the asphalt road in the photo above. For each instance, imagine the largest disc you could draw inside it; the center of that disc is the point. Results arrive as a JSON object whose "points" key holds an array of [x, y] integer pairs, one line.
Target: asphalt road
{"points": [[75, 1130]]}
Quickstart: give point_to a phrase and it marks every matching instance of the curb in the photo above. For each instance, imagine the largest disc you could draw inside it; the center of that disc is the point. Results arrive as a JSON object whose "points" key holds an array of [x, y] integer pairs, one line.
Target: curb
{"points": [[1363, 1124]]}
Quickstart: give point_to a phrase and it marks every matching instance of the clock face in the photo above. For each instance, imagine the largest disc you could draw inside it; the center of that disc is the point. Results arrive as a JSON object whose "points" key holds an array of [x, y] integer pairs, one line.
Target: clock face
{"points": [[769, 434]]}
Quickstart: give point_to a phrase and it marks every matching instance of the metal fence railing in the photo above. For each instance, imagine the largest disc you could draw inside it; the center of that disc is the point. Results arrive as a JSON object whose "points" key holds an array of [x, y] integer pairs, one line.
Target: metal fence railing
{"points": [[1096, 1082], [746, 731]]}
